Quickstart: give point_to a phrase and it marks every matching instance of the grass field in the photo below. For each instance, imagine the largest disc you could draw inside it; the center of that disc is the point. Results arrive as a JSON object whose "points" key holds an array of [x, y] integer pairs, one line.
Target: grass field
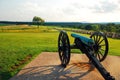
{"points": [[15, 47], [20, 44]]}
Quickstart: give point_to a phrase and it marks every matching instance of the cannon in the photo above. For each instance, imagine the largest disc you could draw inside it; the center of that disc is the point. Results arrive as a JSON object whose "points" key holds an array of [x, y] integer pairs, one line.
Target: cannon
{"points": [[95, 48]]}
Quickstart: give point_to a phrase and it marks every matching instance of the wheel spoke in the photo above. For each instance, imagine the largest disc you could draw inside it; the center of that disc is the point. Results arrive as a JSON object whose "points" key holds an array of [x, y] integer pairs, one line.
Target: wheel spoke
{"points": [[60, 51], [102, 45], [101, 41], [98, 56], [63, 60], [60, 48], [96, 38], [95, 54], [102, 49], [62, 54], [100, 53]]}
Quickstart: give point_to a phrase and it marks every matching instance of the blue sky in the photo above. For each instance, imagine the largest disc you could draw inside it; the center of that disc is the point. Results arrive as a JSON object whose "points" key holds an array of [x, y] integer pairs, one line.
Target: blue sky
{"points": [[61, 10]]}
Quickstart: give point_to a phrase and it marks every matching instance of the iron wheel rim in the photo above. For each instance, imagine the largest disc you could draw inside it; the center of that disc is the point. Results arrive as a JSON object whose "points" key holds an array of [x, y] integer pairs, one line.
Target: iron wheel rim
{"points": [[101, 45], [64, 48]]}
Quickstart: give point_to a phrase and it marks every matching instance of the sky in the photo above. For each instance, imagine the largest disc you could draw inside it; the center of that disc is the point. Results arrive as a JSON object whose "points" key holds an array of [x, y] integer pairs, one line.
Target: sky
{"points": [[61, 10]]}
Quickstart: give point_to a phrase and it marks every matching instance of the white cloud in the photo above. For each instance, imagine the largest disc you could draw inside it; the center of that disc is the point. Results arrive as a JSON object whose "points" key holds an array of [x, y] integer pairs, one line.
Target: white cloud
{"points": [[31, 6], [106, 7], [63, 10], [97, 11]]}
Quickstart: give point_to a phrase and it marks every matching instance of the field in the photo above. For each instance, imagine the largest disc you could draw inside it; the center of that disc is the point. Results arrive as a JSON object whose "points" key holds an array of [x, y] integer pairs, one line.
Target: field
{"points": [[20, 44]]}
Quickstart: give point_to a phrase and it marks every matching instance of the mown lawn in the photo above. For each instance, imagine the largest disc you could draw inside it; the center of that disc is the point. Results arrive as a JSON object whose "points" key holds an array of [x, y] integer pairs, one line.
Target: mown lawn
{"points": [[14, 47], [20, 46], [114, 46]]}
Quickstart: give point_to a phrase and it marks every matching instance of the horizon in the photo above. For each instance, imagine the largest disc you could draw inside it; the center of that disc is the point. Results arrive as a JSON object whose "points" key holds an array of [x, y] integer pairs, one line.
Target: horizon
{"points": [[92, 11], [25, 22]]}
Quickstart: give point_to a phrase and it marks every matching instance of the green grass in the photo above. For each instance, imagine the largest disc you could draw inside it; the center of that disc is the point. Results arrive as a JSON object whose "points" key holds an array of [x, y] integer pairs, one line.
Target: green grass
{"points": [[17, 43], [16, 46], [114, 46], [3, 24]]}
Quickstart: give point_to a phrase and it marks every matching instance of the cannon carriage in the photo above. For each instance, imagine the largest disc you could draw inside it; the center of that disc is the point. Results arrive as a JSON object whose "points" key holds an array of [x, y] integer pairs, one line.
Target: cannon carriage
{"points": [[95, 48]]}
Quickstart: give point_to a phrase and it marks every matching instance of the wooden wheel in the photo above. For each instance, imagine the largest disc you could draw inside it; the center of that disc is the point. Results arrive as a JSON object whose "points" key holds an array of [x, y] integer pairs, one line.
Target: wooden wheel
{"points": [[64, 48], [101, 45]]}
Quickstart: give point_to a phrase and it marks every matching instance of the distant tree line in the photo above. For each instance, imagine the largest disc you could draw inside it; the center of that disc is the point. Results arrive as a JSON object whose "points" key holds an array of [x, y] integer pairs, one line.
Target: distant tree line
{"points": [[112, 30], [105, 27], [108, 27]]}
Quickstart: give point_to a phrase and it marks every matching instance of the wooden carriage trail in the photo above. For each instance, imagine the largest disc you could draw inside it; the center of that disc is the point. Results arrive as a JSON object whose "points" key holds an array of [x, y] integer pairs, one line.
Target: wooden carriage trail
{"points": [[47, 67]]}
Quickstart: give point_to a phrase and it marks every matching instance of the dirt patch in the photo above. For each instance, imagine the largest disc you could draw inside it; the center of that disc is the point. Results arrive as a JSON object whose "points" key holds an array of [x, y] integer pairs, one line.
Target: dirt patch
{"points": [[84, 65], [21, 62], [47, 67]]}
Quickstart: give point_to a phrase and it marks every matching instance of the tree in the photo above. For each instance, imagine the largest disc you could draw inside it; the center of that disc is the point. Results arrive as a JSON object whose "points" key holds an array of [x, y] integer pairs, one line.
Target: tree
{"points": [[95, 27], [37, 20], [88, 27], [110, 27]]}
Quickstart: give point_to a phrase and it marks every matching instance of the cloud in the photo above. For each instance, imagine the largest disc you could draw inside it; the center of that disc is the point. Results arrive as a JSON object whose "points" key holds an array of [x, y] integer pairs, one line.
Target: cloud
{"points": [[98, 6], [61, 10], [31, 6], [107, 10], [105, 7], [69, 11], [28, 10]]}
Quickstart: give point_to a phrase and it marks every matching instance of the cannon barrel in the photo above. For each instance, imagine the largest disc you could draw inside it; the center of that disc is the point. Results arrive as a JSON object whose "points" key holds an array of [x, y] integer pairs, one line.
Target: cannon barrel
{"points": [[85, 40]]}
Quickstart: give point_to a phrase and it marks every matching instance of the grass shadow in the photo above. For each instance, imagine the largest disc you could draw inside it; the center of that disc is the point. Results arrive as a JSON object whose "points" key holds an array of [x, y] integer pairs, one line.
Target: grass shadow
{"points": [[5, 75]]}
